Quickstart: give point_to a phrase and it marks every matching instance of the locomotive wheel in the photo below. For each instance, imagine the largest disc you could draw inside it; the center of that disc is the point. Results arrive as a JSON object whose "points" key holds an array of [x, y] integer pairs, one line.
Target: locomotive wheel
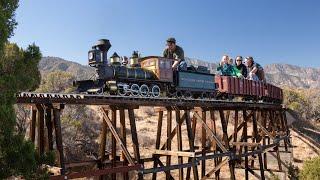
{"points": [[135, 90], [144, 90], [155, 91], [122, 92]]}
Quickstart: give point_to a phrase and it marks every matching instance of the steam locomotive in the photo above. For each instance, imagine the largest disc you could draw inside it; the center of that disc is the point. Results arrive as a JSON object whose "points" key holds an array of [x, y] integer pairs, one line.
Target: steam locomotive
{"points": [[153, 77]]}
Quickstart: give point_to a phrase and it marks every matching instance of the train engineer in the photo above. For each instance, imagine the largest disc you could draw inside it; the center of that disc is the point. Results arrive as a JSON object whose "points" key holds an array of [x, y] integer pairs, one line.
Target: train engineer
{"points": [[173, 51]]}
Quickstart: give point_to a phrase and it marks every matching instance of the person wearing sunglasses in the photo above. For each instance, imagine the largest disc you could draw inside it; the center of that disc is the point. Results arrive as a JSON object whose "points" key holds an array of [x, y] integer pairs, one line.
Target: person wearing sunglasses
{"points": [[173, 51], [241, 67]]}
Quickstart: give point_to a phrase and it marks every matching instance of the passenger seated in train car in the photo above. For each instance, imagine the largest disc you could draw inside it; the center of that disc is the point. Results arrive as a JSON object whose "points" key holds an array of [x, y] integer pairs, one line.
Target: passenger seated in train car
{"points": [[173, 51], [241, 67], [230, 61], [224, 67], [255, 70], [227, 69]]}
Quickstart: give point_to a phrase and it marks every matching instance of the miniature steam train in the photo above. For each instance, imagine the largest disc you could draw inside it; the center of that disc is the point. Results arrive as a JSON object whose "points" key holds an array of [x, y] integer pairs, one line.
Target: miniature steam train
{"points": [[153, 77]]}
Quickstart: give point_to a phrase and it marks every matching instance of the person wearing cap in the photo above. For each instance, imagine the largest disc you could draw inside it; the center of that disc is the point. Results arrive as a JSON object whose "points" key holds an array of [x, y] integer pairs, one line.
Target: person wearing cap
{"points": [[175, 52], [241, 67], [255, 70]]}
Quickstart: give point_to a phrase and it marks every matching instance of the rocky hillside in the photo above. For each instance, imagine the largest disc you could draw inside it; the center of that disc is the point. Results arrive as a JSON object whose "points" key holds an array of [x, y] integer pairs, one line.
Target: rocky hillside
{"points": [[278, 74], [293, 76], [50, 64]]}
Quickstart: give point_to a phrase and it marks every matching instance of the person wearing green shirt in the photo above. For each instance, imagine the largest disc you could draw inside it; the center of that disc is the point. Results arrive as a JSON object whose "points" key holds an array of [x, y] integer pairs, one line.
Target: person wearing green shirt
{"points": [[228, 69]]}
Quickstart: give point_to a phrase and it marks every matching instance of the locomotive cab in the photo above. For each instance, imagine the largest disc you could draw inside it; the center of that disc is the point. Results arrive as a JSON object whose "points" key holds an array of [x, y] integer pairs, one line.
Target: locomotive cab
{"points": [[160, 66]]}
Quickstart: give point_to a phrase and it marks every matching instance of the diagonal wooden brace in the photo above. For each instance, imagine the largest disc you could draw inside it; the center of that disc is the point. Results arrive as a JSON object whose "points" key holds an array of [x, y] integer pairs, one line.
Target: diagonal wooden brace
{"points": [[212, 136], [117, 137]]}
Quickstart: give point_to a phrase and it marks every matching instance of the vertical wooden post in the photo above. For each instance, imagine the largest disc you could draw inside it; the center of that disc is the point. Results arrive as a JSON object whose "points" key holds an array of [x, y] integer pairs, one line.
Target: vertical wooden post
{"points": [[245, 138], [49, 128], [255, 130], [203, 143], [283, 128], [216, 160], [103, 138], [191, 144], [33, 124], [179, 139], [40, 117], [134, 137], [114, 142], [264, 124], [169, 127], [57, 127], [123, 135], [158, 139], [226, 141], [193, 129], [286, 126], [236, 119]]}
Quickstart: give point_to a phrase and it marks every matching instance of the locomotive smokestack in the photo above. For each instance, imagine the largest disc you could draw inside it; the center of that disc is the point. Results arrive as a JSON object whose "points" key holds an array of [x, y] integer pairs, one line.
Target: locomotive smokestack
{"points": [[103, 45]]}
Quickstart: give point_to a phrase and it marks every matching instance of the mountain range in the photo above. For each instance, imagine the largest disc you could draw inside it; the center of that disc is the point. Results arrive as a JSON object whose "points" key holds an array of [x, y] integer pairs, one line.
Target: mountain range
{"points": [[278, 74]]}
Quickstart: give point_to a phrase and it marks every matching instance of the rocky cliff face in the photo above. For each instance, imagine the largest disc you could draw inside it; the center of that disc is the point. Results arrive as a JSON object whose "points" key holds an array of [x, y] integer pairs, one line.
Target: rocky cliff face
{"points": [[293, 76], [278, 74]]}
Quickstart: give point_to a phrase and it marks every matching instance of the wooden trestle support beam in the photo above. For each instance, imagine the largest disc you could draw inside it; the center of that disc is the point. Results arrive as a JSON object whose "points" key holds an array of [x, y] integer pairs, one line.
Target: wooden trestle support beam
{"points": [[232, 143]]}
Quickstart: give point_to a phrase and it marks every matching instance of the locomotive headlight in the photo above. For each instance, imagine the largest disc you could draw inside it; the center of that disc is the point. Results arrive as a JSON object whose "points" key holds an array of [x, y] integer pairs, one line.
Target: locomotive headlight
{"points": [[91, 55]]}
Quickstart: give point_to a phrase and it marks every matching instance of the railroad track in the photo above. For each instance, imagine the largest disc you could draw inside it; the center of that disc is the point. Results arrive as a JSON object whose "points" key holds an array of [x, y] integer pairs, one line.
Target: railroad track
{"points": [[89, 99]]}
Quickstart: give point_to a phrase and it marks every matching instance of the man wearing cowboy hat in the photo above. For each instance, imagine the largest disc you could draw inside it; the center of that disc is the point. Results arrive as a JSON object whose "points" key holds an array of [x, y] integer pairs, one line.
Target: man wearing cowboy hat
{"points": [[174, 51]]}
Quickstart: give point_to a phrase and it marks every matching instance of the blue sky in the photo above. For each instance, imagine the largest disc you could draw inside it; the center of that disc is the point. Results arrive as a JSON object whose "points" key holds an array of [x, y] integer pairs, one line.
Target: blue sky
{"points": [[272, 31]]}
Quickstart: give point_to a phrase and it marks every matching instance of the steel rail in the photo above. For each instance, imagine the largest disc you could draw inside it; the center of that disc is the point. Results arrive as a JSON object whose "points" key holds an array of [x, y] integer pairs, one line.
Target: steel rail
{"points": [[89, 99]]}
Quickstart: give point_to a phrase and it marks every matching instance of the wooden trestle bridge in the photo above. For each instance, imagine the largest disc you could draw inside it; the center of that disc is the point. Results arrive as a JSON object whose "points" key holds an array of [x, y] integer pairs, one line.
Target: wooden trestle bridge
{"points": [[239, 149]]}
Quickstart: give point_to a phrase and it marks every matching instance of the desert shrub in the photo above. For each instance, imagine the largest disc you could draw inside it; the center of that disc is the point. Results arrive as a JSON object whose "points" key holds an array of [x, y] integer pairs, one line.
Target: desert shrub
{"points": [[146, 141], [311, 169], [304, 102], [293, 172], [149, 112]]}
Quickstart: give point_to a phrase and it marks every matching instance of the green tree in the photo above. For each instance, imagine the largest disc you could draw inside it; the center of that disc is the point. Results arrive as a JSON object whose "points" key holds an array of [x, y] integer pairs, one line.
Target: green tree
{"points": [[7, 20], [57, 81], [18, 72], [311, 169]]}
